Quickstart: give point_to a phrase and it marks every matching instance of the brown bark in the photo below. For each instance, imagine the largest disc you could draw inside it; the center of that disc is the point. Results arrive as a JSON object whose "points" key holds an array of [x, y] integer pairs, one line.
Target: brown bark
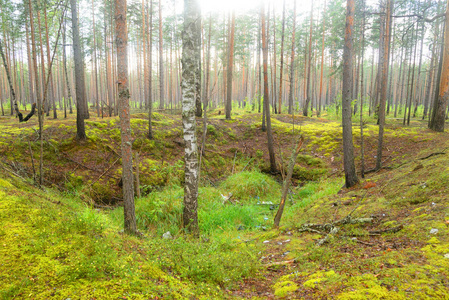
{"points": [[230, 68], [121, 41], [308, 92], [150, 77], [322, 62], [384, 81], [286, 184], [292, 63], [348, 147], [266, 96], [161, 62], [281, 70], [79, 75], [440, 103]]}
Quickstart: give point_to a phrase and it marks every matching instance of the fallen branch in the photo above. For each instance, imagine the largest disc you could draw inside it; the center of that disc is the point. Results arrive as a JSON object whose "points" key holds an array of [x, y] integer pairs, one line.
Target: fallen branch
{"points": [[389, 230], [432, 154], [280, 263], [295, 152]]}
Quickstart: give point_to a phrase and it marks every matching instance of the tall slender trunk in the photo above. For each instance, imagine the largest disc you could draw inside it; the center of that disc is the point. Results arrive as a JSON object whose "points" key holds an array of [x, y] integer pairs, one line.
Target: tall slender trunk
{"points": [[292, 63], [121, 40], [190, 44], [384, 80], [322, 62], [95, 62], [430, 74], [64, 61], [161, 61], [362, 145], [281, 70], [308, 92], [441, 94], [230, 68], [348, 147], [150, 77], [38, 93], [266, 99], [79, 75]]}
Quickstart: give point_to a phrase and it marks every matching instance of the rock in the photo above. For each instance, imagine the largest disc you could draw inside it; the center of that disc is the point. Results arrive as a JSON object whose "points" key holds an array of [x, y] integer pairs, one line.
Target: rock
{"points": [[266, 242], [446, 255], [433, 231], [167, 235]]}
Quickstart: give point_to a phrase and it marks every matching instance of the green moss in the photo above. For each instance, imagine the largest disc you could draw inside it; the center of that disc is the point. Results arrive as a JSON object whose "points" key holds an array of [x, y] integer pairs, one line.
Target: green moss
{"points": [[319, 277], [284, 288]]}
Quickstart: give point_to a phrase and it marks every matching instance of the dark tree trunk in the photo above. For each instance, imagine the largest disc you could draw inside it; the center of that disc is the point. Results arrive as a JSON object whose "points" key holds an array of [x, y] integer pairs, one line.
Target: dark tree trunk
{"points": [[79, 75], [266, 96], [441, 96]]}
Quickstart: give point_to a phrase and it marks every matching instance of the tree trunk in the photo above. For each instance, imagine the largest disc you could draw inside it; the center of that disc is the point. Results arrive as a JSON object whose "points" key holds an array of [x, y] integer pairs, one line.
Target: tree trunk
{"points": [[281, 71], [348, 147], [121, 40], [150, 77], [38, 93], [79, 75], [440, 103], [266, 97], [308, 93], [285, 185], [66, 74], [190, 64], [384, 81], [292, 63], [161, 61], [230, 68], [322, 62]]}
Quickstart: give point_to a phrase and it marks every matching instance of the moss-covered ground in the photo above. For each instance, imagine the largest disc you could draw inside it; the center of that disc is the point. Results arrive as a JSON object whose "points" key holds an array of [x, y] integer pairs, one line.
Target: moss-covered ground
{"points": [[65, 240]]}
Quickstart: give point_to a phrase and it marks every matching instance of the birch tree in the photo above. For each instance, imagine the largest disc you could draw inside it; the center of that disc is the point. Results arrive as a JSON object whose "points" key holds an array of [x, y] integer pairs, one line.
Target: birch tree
{"points": [[190, 65]]}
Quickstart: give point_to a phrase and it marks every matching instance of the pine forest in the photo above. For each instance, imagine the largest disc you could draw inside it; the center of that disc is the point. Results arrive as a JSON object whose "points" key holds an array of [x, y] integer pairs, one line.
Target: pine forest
{"points": [[195, 149]]}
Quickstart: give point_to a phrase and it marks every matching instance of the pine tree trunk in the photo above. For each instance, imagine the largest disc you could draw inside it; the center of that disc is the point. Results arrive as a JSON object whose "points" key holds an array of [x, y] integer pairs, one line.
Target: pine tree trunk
{"points": [[79, 75], [281, 70], [441, 97], [384, 80], [161, 62], [121, 32], [292, 63], [266, 96], [348, 148], [230, 68], [308, 92], [322, 61]]}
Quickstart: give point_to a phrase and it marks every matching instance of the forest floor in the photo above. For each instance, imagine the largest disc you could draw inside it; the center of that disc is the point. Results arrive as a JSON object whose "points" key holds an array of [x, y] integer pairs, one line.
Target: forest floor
{"points": [[64, 239]]}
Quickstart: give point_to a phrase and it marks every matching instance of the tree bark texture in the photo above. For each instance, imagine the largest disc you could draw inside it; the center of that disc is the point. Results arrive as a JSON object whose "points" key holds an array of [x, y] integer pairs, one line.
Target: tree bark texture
{"points": [[189, 94], [230, 67], [384, 82], [121, 41], [292, 64], [266, 96], [79, 75], [348, 147], [440, 103]]}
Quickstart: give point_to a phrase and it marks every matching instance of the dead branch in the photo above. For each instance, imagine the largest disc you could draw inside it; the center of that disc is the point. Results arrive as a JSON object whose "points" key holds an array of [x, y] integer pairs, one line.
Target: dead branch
{"points": [[431, 154], [389, 230], [280, 263]]}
